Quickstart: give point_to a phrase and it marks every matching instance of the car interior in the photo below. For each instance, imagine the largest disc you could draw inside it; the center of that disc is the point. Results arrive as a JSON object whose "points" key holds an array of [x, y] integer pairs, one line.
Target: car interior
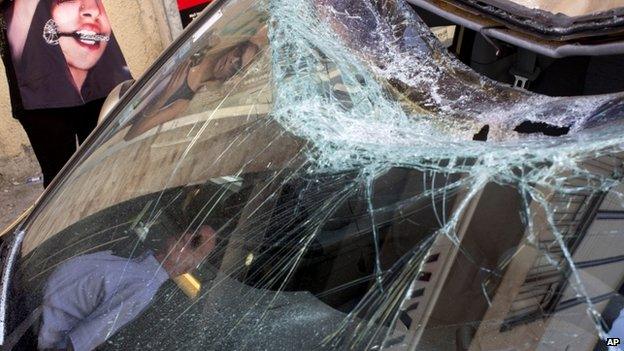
{"points": [[258, 254]]}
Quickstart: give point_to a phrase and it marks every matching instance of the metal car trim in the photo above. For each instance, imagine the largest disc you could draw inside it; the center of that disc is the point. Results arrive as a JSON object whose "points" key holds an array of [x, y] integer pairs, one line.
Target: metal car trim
{"points": [[11, 227], [7, 271], [548, 25], [544, 47]]}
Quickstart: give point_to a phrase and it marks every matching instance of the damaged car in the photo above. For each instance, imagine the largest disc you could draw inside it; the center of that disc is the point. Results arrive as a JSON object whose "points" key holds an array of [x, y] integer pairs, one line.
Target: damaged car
{"points": [[297, 174], [551, 47]]}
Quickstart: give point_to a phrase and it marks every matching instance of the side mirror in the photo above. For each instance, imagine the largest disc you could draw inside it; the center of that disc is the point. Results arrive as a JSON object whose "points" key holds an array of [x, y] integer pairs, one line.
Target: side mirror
{"points": [[113, 98]]}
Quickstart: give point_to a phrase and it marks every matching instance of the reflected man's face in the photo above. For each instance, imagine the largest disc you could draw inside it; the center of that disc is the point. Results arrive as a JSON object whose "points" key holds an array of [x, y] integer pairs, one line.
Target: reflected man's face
{"points": [[186, 253], [81, 16]]}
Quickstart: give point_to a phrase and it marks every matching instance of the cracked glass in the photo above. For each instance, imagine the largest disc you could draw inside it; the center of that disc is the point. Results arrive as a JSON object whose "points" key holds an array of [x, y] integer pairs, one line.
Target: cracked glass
{"points": [[298, 174]]}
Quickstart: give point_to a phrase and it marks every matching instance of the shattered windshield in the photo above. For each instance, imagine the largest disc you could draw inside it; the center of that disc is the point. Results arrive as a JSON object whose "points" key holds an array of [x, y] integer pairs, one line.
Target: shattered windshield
{"points": [[301, 174]]}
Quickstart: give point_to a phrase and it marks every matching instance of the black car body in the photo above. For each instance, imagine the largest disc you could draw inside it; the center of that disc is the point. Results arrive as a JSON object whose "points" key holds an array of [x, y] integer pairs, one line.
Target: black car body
{"points": [[303, 175]]}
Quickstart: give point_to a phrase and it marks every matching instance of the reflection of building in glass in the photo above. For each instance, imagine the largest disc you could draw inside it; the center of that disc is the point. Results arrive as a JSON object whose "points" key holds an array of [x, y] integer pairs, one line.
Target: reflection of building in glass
{"points": [[517, 293]]}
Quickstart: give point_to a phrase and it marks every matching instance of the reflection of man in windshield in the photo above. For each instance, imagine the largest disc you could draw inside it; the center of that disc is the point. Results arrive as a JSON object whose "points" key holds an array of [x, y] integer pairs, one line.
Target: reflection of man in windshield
{"points": [[90, 297], [204, 68]]}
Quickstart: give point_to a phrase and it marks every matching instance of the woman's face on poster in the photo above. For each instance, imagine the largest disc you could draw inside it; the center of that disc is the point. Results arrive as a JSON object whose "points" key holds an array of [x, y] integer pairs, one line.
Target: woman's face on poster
{"points": [[81, 17]]}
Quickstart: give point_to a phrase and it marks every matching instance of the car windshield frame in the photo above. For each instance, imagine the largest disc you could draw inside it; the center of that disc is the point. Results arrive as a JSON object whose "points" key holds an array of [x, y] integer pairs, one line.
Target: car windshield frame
{"points": [[379, 204]]}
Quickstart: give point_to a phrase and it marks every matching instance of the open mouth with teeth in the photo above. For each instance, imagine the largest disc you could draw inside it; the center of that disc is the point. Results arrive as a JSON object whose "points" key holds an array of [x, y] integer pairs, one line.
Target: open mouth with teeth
{"points": [[86, 37], [90, 38]]}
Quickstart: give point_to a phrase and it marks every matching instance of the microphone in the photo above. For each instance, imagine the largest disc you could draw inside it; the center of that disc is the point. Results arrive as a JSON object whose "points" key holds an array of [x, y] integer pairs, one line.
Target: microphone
{"points": [[82, 36], [51, 34]]}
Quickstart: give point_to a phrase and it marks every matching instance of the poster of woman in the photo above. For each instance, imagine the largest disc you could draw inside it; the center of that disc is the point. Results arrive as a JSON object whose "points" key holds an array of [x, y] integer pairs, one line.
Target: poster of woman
{"points": [[63, 52]]}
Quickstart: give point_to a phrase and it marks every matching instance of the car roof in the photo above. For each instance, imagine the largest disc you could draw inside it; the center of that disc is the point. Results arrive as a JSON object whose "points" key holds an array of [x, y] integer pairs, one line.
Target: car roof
{"points": [[531, 24], [566, 7]]}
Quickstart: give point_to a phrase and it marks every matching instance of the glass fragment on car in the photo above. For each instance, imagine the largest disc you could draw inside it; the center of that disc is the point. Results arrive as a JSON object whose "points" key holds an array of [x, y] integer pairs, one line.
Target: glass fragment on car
{"points": [[303, 175]]}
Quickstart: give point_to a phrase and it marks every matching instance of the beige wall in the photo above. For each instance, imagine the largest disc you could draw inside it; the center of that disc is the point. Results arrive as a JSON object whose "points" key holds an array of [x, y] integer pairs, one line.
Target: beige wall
{"points": [[142, 32]]}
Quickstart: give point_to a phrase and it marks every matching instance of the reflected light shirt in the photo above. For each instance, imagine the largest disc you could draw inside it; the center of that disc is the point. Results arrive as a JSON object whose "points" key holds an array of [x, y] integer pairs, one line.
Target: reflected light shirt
{"points": [[90, 297], [617, 331]]}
